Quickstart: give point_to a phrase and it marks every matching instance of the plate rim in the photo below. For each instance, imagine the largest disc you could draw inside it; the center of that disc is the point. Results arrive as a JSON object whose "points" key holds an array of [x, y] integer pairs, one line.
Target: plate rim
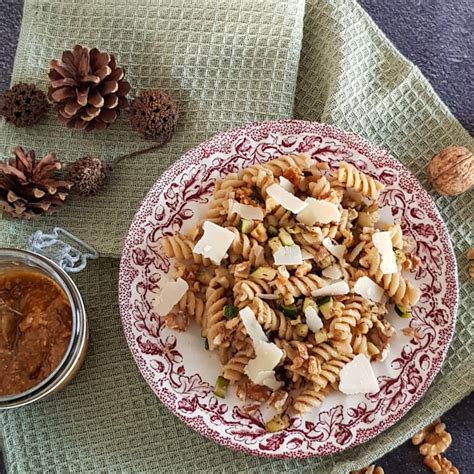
{"points": [[372, 148]]}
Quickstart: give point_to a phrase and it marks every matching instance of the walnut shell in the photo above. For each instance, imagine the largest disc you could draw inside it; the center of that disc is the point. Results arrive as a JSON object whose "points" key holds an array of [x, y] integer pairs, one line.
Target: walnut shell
{"points": [[451, 171]]}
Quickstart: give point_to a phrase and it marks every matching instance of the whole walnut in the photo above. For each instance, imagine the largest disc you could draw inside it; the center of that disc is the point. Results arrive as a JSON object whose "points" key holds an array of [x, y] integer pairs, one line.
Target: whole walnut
{"points": [[451, 171]]}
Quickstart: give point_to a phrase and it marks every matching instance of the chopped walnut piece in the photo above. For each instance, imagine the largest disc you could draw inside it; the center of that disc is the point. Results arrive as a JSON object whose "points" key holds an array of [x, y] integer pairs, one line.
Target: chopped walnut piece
{"points": [[373, 469], [247, 390], [419, 437], [412, 333], [243, 195], [314, 366], [178, 321], [440, 464], [179, 270], [294, 175], [436, 442], [258, 393], [379, 335], [433, 440], [278, 400]]}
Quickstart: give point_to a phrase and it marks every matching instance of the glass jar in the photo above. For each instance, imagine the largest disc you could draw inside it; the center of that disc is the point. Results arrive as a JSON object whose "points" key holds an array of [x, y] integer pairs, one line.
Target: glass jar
{"points": [[76, 351]]}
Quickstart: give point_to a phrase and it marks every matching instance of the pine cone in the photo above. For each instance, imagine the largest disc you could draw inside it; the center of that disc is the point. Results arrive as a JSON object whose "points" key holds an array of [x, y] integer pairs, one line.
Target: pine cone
{"points": [[29, 187], [154, 114], [23, 104], [87, 175], [88, 88]]}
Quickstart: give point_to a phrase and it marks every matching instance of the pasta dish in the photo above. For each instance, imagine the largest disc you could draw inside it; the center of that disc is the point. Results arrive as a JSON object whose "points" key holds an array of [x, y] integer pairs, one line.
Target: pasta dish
{"points": [[291, 277]]}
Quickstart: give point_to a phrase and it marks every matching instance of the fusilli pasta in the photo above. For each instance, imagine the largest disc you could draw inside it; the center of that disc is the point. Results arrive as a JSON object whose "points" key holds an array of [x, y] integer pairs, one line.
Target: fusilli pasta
{"points": [[339, 250]]}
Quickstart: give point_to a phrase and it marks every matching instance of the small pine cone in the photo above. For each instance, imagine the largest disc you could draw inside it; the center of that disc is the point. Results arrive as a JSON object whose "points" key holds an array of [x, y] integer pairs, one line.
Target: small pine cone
{"points": [[154, 114], [87, 175], [23, 104], [87, 88], [30, 187]]}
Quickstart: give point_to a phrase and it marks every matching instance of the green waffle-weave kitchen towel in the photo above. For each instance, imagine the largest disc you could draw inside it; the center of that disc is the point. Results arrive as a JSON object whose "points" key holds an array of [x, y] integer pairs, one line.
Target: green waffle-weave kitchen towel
{"points": [[107, 419], [225, 63]]}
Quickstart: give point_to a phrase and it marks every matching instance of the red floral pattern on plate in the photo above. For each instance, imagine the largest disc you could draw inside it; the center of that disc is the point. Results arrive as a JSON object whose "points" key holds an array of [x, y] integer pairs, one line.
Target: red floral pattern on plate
{"points": [[176, 365]]}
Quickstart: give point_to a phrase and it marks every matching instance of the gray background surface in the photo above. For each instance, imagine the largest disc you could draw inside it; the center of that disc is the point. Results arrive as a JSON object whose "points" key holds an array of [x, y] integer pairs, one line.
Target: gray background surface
{"points": [[437, 35]]}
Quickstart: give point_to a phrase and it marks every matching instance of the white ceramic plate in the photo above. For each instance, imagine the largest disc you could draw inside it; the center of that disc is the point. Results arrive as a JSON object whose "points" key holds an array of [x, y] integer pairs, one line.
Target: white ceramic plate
{"points": [[182, 373]]}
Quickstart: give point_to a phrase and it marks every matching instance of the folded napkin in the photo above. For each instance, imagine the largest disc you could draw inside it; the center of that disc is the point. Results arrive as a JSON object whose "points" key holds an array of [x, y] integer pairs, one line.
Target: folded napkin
{"points": [[349, 74]]}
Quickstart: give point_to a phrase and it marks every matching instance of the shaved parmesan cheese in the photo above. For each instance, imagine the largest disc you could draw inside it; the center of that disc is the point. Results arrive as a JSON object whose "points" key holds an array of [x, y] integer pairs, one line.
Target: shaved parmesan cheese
{"points": [[305, 255], [336, 250], [368, 289], [288, 256], [252, 326], [286, 199], [260, 369], [358, 377], [383, 243], [267, 377], [214, 243], [171, 294], [312, 319], [338, 288], [287, 185], [319, 211], [333, 272], [245, 211], [267, 354]]}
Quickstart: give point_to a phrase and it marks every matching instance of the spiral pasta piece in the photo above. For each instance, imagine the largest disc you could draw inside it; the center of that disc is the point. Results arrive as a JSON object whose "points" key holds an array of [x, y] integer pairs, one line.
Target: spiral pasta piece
{"points": [[343, 320], [272, 320], [396, 235], [299, 286], [312, 396], [246, 248], [358, 181], [246, 290], [396, 286], [181, 248], [279, 165], [258, 175], [361, 345], [192, 305], [281, 217], [235, 367], [317, 391], [216, 299], [319, 187]]}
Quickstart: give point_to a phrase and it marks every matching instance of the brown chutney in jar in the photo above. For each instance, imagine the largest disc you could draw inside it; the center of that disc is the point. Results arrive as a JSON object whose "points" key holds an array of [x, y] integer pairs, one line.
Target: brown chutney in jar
{"points": [[35, 328]]}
